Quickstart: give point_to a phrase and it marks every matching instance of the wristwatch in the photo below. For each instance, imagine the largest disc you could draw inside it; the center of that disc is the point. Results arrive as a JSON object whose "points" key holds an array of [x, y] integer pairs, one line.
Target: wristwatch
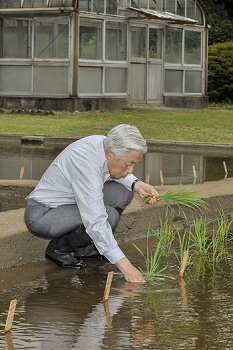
{"points": [[133, 184]]}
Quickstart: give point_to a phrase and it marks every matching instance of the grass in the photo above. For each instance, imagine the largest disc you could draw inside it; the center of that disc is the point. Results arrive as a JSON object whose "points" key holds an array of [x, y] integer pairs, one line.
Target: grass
{"points": [[205, 125]]}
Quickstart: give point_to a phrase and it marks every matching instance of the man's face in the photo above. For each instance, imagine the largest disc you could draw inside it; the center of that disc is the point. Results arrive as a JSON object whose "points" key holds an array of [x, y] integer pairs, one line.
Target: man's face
{"points": [[122, 166]]}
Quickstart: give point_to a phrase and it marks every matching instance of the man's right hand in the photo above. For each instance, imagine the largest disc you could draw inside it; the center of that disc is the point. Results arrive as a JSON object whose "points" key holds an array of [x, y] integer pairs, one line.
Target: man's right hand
{"points": [[131, 273]]}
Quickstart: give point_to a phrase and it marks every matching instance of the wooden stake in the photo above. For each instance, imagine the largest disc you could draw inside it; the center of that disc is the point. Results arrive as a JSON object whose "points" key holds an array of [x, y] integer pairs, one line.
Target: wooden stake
{"points": [[161, 176], [194, 175], [108, 286], [147, 178], [10, 316], [183, 263], [21, 174], [225, 169]]}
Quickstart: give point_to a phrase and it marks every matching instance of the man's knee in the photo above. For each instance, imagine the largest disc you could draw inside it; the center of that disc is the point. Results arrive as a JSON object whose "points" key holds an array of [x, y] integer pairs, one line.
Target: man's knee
{"points": [[117, 195]]}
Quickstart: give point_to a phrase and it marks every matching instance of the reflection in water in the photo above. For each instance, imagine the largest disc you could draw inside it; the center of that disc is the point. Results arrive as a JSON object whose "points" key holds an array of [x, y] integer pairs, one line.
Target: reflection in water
{"points": [[64, 310], [169, 168], [158, 168]]}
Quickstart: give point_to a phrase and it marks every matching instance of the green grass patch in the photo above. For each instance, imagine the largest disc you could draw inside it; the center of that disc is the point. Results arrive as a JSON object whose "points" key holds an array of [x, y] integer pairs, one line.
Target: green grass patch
{"points": [[206, 125]]}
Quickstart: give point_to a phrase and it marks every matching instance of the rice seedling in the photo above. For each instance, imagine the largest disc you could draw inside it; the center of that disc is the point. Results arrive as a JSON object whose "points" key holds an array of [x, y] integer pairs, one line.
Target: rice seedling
{"points": [[199, 235], [220, 238], [182, 197], [184, 241], [165, 235], [152, 258]]}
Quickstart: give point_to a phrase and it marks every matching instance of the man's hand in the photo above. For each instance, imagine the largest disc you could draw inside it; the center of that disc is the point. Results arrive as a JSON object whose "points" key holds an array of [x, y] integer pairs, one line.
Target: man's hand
{"points": [[144, 190], [130, 272]]}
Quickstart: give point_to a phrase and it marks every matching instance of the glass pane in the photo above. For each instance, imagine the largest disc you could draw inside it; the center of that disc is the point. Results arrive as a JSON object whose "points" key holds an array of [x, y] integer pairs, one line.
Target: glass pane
{"points": [[193, 81], [90, 39], [51, 39], [156, 5], [43, 3], [50, 80], [192, 51], [155, 43], [15, 79], [10, 3], [111, 7], [115, 46], [138, 42], [144, 4], [199, 16], [173, 80], [85, 5], [90, 80], [181, 8], [135, 3], [115, 80], [191, 9], [173, 50], [170, 6], [153, 5], [16, 38], [98, 6]]}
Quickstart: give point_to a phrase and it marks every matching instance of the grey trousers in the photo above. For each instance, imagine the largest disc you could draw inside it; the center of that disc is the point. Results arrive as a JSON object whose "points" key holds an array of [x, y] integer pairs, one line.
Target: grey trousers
{"points": [[51, 223]]}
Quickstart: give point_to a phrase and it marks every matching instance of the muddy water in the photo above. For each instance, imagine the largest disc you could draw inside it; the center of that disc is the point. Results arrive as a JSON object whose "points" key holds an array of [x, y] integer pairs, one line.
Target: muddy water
{"points": [[63, 309]]}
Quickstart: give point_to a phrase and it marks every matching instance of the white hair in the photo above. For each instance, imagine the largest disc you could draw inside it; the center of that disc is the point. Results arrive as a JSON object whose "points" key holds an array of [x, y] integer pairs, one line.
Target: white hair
{"points": [[123, 139]]}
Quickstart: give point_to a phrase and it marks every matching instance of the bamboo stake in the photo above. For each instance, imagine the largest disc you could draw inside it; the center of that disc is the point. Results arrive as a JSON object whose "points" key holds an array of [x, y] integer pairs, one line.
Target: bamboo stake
{"points": [[108, 286], [10, 316], [147, 178], [161, 176], [194, 175], [21, 174], [225, 169], [183, 264]]}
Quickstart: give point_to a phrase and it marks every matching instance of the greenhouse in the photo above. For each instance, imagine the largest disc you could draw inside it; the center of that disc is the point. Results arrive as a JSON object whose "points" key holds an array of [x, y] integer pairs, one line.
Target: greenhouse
{"points": [[102, 54]]}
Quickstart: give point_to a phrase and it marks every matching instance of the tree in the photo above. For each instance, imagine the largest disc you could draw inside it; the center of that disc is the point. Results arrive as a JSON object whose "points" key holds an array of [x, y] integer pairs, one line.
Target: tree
{"points": [[219, 19]]}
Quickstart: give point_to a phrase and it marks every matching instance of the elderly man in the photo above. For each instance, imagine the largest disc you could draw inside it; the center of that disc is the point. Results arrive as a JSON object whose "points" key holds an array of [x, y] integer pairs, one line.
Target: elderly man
{"points": [[78, 201]]}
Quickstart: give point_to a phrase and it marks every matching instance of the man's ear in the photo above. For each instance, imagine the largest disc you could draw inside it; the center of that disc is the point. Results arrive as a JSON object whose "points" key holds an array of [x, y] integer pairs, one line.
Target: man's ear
{"points": [[108, 153]]}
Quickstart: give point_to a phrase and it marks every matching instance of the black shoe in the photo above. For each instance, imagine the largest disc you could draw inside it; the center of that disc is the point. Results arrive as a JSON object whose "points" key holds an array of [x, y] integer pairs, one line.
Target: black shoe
{"points": [[65, 260], [89, 251]]}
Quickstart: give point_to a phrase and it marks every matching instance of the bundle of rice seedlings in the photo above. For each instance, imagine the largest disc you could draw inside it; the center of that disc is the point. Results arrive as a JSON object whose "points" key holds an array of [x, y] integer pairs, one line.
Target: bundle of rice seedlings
{"points": [[182, 198]]}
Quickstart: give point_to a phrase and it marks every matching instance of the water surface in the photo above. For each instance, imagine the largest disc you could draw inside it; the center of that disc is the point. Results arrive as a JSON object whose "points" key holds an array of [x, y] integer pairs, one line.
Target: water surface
{"points": [[63, 309]]}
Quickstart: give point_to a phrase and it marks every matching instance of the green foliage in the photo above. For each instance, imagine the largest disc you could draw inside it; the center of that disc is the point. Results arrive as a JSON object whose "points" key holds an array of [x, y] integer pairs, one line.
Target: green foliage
{"points": [[220, 82], [218, 13]]}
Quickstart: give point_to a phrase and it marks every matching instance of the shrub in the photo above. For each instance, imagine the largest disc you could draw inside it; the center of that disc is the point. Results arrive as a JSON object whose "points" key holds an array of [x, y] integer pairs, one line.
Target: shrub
{"points": [[220, 80]]}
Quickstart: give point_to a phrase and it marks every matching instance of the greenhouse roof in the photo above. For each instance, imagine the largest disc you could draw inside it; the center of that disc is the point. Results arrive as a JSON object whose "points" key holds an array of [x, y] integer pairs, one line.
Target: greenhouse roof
{"points": [[36, 4], [172, 18]]}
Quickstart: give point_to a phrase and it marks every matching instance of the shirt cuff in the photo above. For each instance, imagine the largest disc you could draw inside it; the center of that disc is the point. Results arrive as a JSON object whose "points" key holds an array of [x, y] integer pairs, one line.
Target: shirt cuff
{"points": [[114, 255]]}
